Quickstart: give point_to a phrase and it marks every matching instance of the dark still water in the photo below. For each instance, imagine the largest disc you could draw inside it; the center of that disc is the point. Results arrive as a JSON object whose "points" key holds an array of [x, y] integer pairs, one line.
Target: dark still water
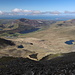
{"points": [[44, 17], [70, 42], [28, 31]]}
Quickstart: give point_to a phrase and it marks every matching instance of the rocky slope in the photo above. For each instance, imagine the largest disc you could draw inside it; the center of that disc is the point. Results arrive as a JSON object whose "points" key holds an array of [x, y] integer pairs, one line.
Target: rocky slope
{"points": [[64, 65]]}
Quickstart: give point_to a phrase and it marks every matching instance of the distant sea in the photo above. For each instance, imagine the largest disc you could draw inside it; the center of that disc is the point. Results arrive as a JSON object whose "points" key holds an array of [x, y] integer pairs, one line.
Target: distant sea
{"points": [[43, 17]]}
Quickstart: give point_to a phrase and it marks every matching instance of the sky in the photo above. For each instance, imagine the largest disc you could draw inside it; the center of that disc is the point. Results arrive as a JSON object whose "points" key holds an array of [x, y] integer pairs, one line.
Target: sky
{"points": [[37, 7]]}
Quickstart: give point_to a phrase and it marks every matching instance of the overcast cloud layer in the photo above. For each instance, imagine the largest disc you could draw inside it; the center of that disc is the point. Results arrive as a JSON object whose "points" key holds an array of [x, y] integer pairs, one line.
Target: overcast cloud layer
{"points": [[17, 11]]}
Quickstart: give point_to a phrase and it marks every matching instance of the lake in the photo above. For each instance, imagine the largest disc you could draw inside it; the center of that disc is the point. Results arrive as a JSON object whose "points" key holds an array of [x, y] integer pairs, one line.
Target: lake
{"points": [[70, 42], [28, 31]]}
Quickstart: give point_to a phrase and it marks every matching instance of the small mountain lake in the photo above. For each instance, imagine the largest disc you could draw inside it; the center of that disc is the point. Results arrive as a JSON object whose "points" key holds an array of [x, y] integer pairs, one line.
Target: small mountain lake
{"points": [[20, 46], [28, 31], [70, 42]]}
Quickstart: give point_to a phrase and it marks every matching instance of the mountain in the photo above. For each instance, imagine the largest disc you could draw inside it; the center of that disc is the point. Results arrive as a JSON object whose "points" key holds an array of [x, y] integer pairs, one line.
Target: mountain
{"points": [[14, 27], [66, 23], [22, 25], [37, 23]]}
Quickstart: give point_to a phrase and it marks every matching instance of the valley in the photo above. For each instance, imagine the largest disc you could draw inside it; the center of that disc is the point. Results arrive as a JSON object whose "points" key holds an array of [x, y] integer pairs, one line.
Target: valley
{"points": [[37, 46], [50, 39]]}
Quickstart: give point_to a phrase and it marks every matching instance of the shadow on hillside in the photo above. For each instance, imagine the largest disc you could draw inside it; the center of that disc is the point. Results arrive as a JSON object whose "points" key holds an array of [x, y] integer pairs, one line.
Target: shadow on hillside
{"points": [[4, 42]]}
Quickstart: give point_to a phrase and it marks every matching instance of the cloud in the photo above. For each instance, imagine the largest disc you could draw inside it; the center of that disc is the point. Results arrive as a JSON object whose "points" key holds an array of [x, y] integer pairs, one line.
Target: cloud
{"points": [[69, 12], [18, 11], [24, 12], [36, 12], [55, 12], [27, 11], [1, 13]]}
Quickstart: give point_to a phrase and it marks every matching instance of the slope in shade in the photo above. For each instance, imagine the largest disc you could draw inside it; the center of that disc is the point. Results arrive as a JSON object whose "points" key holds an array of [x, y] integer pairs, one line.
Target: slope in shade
{"points": [[4, 42]]}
